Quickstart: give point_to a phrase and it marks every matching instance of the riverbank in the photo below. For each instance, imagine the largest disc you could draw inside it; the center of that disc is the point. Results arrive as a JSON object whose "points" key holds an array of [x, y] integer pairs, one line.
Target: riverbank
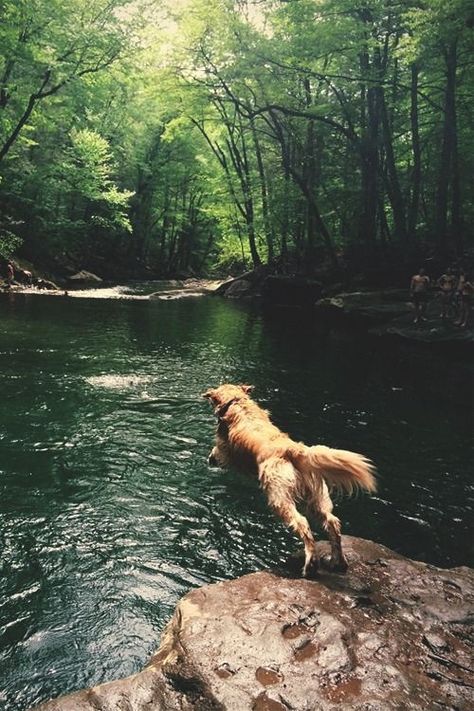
{"points": [[391, 633], [435, 355], [390, 313], [386, 313], [383, 312], [80, 288]]}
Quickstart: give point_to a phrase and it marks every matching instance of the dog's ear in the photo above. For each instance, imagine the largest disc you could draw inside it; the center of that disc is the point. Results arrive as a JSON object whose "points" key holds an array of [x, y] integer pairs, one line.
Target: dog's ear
{"points": [[247, 388], [208, 394]]}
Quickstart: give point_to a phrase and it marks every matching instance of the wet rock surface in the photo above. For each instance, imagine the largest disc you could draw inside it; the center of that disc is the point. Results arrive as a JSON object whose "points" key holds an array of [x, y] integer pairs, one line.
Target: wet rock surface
{"points": [[274, 289], [390, 634], [373, 306], [175, 289], [390, 313], [84, 277], [432, 330]]}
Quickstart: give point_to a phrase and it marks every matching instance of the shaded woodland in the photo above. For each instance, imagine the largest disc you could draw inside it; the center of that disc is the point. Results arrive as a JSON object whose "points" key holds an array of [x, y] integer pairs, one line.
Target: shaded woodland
{"points": [[158, 138]]}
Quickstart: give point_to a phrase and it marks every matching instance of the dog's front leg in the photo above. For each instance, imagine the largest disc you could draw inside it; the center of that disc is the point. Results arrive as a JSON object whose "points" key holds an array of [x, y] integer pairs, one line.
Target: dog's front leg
{"points": [[219, 455], [213, 458]]}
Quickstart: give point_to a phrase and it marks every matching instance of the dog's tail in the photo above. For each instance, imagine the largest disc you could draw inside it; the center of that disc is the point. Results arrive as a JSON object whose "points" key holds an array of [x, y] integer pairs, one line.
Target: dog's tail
{"points": [[341, 469]]}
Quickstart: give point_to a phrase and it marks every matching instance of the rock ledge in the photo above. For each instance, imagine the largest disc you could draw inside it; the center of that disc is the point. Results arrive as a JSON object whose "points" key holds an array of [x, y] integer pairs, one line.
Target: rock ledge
{"points": [[390, 634]]}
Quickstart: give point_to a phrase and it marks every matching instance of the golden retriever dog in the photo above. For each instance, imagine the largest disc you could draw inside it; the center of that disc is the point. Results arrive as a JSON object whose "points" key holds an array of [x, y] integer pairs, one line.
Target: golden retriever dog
{"points": [[289, 472]]}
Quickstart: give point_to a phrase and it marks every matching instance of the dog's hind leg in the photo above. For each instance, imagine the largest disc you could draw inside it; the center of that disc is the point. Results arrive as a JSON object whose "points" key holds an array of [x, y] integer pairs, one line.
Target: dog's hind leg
{"points": [[332, 525], [290, 515], [278, 479]]}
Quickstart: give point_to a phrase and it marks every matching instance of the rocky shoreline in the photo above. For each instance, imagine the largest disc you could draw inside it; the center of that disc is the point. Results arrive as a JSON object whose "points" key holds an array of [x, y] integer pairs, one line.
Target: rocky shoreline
{"points": [[390, 313], [379, 312], [387, 313], [390, 634]]}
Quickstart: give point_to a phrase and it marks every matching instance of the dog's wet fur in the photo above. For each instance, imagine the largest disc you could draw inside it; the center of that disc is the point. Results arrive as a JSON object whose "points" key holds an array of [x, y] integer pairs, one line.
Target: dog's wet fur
{"points": [[289, 472]]}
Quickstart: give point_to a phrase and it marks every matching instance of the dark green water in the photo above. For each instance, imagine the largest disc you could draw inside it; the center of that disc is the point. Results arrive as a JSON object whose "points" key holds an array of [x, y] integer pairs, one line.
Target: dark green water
{"points": [[109, 512]]}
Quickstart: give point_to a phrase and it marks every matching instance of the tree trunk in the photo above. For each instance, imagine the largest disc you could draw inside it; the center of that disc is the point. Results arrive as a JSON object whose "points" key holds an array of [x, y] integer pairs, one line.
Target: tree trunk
{"points": [[142, 204], [267, 226], [16, 131], [370, 122], [309, 176], [318, 220], [448, 149], [415, 142], [394, 189]]}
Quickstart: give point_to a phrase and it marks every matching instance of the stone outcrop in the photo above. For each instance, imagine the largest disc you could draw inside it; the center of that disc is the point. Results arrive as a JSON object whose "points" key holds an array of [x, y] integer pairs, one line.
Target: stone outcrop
{"points": [[433, 330], [390, 634], [174, 289], [247, 285], [274, 289], [45, 284], [390, 313], [240, 288], [84, 277], [369, 306]]}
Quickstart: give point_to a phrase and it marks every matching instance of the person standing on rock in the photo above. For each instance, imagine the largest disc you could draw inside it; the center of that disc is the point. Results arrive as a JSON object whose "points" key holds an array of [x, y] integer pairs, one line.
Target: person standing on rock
{"points": [[10, 274], [28, 277], [419, 293], [467, 296], [458, 296], [447, 284]]}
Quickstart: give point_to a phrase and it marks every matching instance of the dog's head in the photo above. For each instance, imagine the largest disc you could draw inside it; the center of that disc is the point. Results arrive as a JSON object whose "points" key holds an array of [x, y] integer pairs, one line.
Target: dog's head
{"points": [[224, 395]]}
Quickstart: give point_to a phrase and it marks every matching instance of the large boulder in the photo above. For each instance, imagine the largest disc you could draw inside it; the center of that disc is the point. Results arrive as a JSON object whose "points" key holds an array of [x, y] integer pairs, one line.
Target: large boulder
{"points": [[84, 277], [390, 634], [191, 287], [247, 285], [432, 330], [273, 288], [239, 289], [45, 284], [369, 306], [390, 313]]}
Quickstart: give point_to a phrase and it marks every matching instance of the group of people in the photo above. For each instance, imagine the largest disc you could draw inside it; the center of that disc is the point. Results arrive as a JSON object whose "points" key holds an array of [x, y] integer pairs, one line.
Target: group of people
{"points": [[23, 276], [456, 295]]}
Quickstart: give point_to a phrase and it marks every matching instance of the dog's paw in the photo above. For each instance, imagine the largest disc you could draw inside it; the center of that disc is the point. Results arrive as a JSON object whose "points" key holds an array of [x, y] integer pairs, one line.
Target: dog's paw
{"points": [[335, 566], [212, 461], [310, 569]]}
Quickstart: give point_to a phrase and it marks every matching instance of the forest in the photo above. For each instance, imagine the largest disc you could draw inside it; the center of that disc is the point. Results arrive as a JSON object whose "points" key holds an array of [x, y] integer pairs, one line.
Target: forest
{"points": [[192, 137]]}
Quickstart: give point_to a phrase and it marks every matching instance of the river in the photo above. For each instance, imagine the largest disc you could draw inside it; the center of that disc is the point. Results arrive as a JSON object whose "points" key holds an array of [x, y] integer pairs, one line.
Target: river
{"points": [[109, 512]]}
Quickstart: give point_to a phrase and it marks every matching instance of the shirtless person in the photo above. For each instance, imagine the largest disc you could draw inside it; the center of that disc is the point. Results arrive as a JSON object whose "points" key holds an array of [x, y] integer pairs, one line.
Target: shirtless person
{"points": [[467, 296], [10, 274], [419, 293], [458, 296], [447, 284]]}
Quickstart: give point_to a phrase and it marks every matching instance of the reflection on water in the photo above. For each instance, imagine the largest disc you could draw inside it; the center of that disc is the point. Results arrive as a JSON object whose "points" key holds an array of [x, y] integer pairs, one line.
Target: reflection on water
{"points": [[109, 511]]}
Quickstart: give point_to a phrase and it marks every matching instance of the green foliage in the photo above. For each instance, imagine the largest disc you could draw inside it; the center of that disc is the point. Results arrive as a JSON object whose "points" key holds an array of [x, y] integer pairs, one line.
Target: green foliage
{"points": [[206, 135], [9, 243], [87, 170]]}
